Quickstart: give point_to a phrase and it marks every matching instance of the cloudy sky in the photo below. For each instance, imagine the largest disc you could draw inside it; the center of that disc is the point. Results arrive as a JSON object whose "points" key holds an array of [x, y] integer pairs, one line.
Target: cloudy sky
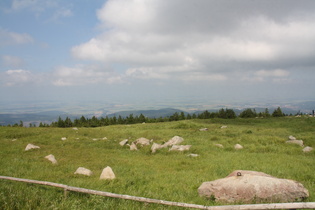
{"points": [[129, 50]]}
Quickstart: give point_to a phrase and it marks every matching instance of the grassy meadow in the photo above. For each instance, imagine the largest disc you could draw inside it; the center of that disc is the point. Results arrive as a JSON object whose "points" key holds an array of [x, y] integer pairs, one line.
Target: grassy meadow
{"points": [[165, 175]]}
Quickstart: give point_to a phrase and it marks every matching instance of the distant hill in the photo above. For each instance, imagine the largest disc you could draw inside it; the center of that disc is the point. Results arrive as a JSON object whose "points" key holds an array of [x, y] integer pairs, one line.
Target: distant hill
{"points": [[148, 113]]}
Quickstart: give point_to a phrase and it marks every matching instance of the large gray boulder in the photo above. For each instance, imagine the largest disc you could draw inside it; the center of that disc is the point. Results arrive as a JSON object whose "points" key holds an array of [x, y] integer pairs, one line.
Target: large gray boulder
{"points": [[252, 186]]}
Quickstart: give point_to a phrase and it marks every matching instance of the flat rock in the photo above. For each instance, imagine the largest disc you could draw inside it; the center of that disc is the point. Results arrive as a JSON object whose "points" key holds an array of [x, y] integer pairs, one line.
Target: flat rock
{"points": [[224, 126], [180, 148], [64, 138], [51, 158], [203, 129], [298, 142], [107, 173], [307, 149], [249, 186], [83, 171], [133, 146], [31, 146], [173, 141], [193, 155]]}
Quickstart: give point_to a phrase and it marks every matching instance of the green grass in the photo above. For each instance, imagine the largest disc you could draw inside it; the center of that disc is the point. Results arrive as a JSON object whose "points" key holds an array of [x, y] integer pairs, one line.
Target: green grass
{"points": [[164, 175]]}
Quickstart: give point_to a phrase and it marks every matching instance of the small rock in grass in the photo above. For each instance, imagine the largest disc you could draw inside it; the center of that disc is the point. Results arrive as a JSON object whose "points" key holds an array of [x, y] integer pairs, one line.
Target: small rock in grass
{"points": [[83, 171], [224, 126], [203, 129], [31, 146], [307, 149], [173, 141], [107, 173], [298, 142], [75, 128], [123, 142], [133, 146], [180, 147], [155, 147], [14, 139], [143, 141], [192, 155], [238, 146], [104, 138], [292, 138], [219, 145], [51, 158], [64, 138]]}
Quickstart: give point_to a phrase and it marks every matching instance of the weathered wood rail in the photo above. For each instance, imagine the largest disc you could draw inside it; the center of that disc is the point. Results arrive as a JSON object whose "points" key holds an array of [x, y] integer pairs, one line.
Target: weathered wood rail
{"points": [[304, 205]]}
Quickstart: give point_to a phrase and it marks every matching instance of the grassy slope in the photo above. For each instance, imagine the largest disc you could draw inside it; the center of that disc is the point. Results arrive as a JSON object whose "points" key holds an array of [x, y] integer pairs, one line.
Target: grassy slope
{"points": [[165, 175]]}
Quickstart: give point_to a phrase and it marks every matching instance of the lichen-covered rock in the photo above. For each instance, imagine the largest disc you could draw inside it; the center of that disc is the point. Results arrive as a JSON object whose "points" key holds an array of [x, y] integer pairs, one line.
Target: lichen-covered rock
{"points": [[31, 146], [107, 173], [251, 186], [83, 171]]}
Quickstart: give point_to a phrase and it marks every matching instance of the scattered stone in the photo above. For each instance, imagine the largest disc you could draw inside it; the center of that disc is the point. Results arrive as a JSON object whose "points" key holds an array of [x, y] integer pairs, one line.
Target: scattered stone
{"points": [[219, 145], [298, 142], [123, 142], [155, 147], [107, 173], [14, 139], [95, 139], [133, 146], [203, 129], [173, 141], [292, 138], [224, 126], [51, 158], [307, 149], [75, 128], [104, 138], [31, 146], [83, 171], [251, 186], [180, 148], [143, 141], [63, 138], [193, 155], [238, 146]]}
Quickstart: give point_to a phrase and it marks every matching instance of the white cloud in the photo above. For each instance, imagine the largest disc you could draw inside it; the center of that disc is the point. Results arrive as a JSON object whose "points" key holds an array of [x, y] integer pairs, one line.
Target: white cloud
{"points": [[13, 38], [12, 61], [17, 77], [83, 75], [276, 76], [154, 39]]}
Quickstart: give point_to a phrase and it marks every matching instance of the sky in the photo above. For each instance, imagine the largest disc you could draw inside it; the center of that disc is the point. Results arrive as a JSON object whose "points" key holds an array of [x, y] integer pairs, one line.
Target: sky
{"points": [[157, 50]]}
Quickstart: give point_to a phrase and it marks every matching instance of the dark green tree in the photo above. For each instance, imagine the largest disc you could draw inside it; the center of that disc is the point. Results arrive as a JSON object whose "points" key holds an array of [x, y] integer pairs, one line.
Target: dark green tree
{"points": [[277, 112]]}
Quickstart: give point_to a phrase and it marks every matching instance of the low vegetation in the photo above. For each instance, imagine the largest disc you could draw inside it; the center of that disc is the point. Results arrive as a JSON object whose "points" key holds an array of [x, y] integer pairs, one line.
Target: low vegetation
{"points": [[165, 175]]}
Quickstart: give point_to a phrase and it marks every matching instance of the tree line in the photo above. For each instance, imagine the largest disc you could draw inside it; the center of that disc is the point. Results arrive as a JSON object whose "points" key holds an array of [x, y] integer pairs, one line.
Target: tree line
{"points": [[131, 119]]}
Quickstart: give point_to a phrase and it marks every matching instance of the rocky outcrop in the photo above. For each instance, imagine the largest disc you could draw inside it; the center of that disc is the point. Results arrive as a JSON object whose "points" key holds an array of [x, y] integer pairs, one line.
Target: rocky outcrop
{"points": [[173, 141], [252, 186], [142, 141]]}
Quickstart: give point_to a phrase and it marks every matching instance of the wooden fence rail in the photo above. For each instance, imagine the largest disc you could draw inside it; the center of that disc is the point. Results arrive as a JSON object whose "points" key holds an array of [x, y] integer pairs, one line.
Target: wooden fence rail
{"points": [[305, 205]]}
